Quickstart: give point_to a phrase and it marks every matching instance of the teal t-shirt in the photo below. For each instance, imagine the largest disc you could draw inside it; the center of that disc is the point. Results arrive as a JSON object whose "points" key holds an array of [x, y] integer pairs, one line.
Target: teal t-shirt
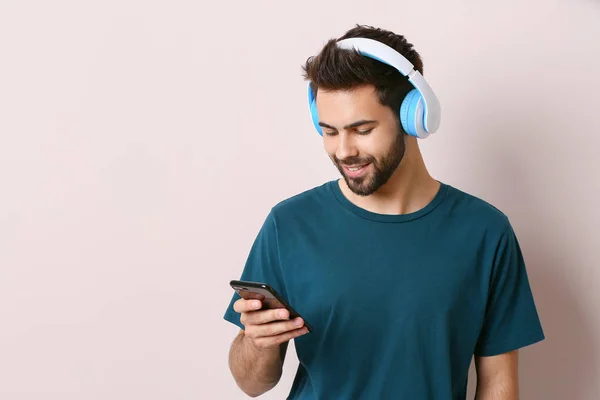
{"points": [[399, 304]]}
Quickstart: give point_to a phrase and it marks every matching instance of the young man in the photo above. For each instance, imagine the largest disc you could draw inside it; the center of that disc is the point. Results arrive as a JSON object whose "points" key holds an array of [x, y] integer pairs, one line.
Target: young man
{"points": [[403, 278]]}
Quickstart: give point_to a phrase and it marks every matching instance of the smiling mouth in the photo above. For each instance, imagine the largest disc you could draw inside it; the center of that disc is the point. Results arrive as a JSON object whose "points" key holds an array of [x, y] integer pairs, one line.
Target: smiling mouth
{"points": [[355, 170]]}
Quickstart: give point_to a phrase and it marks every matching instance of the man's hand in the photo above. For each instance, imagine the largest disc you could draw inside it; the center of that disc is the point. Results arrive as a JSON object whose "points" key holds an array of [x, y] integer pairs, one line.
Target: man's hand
{"points": [[267, 329]]}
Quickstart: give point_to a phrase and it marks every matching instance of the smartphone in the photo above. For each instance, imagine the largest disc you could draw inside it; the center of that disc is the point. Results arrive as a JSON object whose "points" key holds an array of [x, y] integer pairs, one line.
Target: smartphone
{"points": [[267, 295]]}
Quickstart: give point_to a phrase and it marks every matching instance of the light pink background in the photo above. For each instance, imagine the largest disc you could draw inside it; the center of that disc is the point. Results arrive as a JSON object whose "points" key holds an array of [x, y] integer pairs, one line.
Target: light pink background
{"points": [[143, 143]]}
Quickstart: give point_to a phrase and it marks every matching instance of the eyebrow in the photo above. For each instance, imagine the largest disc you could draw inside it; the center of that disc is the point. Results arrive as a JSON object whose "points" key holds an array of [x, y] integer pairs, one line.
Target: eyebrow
{"points": [[349, 126]]}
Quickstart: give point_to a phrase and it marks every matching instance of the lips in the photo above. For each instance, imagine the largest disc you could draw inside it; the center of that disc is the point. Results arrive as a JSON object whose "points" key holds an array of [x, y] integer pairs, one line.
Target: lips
{"points": [[355, 170]]}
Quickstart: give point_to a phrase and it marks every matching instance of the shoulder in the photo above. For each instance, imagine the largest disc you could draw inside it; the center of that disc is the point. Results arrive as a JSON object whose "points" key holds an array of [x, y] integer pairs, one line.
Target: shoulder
{"points": [[305, 203], [474, 211]]}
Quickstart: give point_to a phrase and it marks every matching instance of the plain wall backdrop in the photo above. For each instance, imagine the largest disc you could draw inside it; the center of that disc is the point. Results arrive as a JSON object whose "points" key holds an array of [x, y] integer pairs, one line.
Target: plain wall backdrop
{"points": [[144, 142]]}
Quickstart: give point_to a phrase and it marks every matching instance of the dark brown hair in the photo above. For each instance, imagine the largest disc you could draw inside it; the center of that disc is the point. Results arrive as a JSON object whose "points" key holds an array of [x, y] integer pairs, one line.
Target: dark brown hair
{"points": [[337, 69]]}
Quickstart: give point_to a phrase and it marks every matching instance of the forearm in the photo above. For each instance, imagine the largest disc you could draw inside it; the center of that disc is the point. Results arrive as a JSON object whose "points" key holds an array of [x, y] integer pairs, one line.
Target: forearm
{"points": [[255, 370], [501, 390], [498, 377]]}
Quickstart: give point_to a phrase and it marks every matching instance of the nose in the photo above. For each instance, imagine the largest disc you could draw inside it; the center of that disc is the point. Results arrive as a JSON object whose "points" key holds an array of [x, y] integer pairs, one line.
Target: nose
{"points": [[345, 147]]}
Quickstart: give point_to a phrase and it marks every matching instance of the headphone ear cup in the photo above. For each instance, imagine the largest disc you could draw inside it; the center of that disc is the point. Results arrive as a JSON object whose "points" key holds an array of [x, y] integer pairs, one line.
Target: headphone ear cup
{"points": [[312, 105], [411, 107]]}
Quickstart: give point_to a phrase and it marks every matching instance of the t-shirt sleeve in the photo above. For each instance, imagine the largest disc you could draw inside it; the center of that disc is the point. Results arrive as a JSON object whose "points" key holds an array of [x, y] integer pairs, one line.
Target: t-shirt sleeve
{"points": [[511, 320], [262, 265]]}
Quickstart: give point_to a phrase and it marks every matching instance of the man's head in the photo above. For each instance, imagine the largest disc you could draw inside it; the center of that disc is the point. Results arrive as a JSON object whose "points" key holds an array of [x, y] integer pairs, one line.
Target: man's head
{"points": [[358, 101]]}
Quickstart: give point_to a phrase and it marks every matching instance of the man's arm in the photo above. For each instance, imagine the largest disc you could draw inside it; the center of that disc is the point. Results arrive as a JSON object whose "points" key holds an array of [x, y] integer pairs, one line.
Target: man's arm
{"points": [[256, 355], [497, 377], [255, 370]]}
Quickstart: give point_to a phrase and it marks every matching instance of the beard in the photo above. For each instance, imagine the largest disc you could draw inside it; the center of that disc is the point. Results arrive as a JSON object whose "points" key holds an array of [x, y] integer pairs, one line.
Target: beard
{"points": [[383, 168]]}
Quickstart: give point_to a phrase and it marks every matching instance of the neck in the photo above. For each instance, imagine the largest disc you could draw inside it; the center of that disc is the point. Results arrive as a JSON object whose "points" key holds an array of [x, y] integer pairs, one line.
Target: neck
{"points": [[408, 190]]}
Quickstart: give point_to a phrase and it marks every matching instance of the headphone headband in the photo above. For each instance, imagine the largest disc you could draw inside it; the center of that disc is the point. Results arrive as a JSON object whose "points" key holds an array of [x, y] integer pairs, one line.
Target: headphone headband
{"points": [[387, 55]]}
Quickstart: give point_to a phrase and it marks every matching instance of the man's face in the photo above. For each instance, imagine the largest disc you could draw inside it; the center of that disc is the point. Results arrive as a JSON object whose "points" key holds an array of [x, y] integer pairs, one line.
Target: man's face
{"points": [[361, 136]]}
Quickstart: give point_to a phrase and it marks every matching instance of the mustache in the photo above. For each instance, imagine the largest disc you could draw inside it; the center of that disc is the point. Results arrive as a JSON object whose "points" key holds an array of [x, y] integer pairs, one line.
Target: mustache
{"points": [[354, 160]]}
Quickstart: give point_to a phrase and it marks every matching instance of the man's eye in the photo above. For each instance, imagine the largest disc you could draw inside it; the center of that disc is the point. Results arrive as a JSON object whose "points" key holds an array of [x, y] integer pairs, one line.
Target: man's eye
{"points": [[365, 132], [330, 133]]}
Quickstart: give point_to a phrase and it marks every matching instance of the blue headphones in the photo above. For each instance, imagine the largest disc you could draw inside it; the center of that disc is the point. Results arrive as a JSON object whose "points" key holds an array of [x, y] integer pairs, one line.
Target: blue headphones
{"points": [[420, 110]]}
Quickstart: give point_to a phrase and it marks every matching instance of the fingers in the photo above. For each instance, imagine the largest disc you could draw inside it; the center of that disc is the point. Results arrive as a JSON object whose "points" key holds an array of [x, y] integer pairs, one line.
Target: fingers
{"points": [[267, 342], [252, 315], [268, 328], [242, 305], [265, 316], [256, 331]]}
